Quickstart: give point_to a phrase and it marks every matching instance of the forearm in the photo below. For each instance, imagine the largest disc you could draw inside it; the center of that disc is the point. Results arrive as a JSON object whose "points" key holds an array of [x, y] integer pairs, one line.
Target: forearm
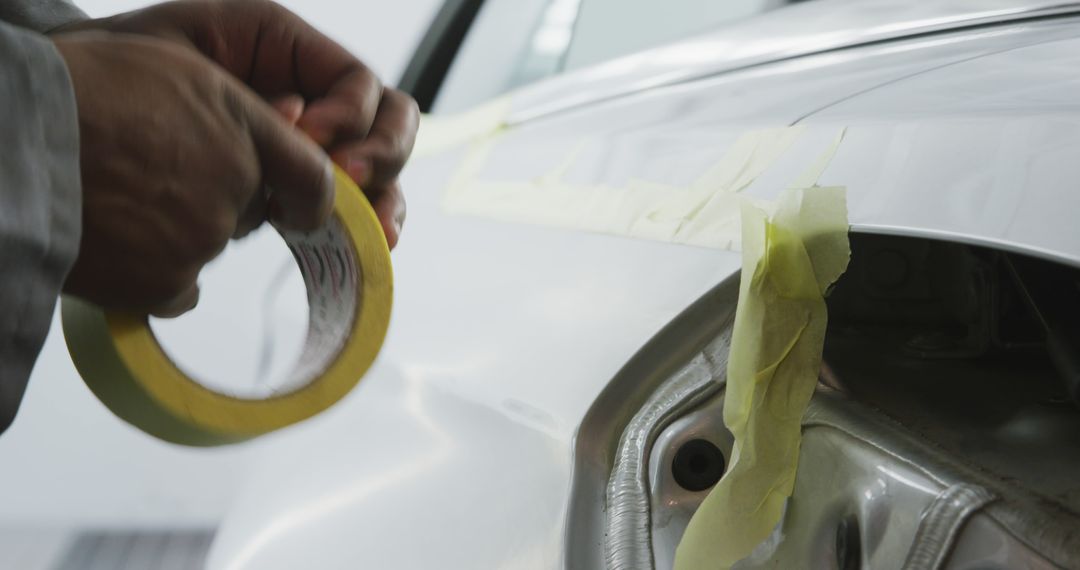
{"points": [[39, 15], [40, 200]]}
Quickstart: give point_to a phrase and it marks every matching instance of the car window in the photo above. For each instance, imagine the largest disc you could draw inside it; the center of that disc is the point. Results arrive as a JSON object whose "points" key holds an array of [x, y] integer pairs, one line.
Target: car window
{"points": [[511, 43], [516, 42]]}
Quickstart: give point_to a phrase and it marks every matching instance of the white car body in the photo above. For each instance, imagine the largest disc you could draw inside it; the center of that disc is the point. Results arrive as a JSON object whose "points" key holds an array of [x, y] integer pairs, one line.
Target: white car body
{"points": [[961, 122]]}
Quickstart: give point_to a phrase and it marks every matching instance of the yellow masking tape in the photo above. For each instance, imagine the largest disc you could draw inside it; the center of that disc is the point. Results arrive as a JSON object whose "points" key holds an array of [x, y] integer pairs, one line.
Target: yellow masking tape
{"points": [[346, 268], [705, 213], [438, 133], [789, 261]]}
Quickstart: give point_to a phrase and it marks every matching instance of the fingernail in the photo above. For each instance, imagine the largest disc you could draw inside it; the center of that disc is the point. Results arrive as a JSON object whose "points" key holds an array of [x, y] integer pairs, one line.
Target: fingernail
{"points": [[359, 169], [291, 107], [329, 183], [399, 220]]}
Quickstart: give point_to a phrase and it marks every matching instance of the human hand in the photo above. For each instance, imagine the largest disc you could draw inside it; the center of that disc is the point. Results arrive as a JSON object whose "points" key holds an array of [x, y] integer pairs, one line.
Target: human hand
{"points": [[175, 155], [367, 128]]}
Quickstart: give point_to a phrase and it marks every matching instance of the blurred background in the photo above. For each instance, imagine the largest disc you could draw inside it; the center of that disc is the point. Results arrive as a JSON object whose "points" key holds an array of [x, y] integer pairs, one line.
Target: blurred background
{"points": [[69, 464]]}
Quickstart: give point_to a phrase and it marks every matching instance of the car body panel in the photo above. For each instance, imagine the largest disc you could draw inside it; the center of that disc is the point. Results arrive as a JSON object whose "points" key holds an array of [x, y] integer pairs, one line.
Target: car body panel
{"points": [[457, 450], [795, 31], [976, 151]]}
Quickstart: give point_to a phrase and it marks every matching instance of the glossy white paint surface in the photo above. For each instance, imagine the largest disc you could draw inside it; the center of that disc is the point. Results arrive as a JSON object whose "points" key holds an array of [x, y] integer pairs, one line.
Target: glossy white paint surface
{"points": [[798, 30], [983, 151], [455, 452]]}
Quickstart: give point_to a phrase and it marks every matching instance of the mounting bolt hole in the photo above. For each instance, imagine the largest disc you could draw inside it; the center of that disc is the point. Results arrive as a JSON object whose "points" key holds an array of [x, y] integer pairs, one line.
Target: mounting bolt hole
{"points": [[848, 544], [698, 465]]}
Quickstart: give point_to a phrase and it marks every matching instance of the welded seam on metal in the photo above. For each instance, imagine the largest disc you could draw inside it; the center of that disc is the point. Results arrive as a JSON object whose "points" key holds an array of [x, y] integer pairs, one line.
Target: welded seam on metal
{"points": [[941, 524], [628, 524]]}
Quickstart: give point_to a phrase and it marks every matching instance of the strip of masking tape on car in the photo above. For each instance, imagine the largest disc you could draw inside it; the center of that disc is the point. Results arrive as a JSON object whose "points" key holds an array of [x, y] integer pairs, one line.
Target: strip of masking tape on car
{"points": [[439, 133], [346, 269], [790, 259], [703, 213]]}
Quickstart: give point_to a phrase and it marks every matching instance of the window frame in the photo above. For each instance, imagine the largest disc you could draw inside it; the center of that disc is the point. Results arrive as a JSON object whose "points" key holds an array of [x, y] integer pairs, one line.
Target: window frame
{"points": [[427, 69]]}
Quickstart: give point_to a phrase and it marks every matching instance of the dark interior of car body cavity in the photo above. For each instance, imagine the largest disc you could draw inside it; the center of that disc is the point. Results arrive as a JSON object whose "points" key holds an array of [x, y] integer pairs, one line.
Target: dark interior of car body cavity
{"points": [[977, 350]]}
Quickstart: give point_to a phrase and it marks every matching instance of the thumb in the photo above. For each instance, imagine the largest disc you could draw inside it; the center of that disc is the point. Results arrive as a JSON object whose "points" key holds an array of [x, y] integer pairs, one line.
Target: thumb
{"points": [[296, 171], [290, 107]]}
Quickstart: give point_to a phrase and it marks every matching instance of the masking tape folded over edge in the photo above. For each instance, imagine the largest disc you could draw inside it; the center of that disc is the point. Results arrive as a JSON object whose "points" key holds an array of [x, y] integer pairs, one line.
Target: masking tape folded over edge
{"points": [[789, 261], [346, 265]]}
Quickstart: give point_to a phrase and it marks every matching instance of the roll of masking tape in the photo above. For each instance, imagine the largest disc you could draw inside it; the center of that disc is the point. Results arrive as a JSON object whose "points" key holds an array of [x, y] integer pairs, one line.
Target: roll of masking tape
{"points": [[346, 268]]}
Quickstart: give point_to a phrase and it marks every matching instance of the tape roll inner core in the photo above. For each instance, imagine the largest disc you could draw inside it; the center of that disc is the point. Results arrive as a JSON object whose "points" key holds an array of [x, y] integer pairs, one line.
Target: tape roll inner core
{"points": [[331, 270], [332, 277]]}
